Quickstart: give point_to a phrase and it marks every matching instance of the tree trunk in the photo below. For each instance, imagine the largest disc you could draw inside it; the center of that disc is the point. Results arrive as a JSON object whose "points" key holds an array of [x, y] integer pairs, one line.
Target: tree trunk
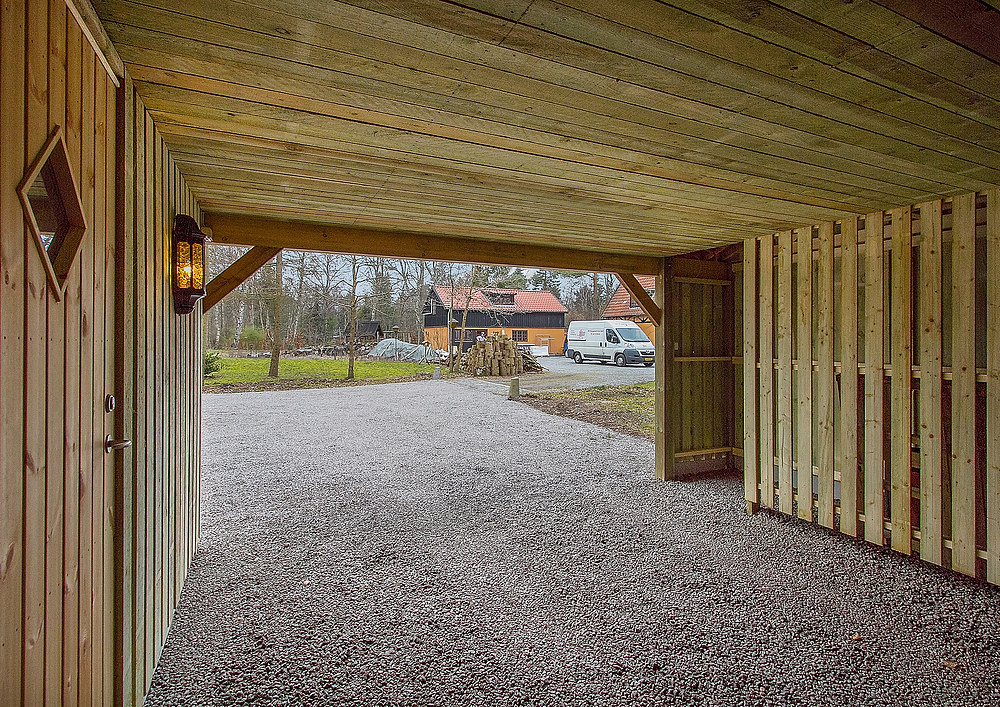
{"points": [[353, 314], [465, 318], [276, 339]]}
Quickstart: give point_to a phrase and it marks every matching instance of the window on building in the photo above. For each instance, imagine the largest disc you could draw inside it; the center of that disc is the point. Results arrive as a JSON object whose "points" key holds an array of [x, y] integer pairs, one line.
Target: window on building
{"points": [[519, 334]]}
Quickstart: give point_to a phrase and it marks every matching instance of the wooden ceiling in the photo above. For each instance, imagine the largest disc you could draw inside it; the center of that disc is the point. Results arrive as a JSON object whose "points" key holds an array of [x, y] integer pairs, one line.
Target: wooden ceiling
{"points": [[630, 126]]}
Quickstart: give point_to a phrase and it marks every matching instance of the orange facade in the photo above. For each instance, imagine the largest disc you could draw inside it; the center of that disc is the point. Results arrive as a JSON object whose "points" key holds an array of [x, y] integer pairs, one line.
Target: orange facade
{"points": [[552, 338]]}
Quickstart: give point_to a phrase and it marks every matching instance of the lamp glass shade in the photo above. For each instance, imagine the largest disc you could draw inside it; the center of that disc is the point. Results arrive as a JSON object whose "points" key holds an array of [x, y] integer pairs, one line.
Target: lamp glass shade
{"points": [[189, 263]]}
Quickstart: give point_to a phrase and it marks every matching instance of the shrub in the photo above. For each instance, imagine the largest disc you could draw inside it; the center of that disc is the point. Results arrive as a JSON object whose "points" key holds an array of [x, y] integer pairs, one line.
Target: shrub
{"points": [[251, 338], [213, 363]]}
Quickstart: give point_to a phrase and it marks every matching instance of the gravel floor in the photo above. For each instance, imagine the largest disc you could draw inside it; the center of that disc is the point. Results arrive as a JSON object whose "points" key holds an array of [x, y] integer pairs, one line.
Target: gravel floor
{"points": [[562, 373], [428, 544]]}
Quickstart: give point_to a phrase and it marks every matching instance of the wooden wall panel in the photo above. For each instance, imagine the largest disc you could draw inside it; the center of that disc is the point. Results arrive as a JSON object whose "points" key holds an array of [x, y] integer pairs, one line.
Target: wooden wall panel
{"points": [[766, 356], [993, 387], [56, 584], [931, 423], [963, 385], [874, 379], [849, 416], [825, 377], [160, 388], [900, 384], [784, 305], [804, 355], [93, 547], [751, 466], [12, 338], [919, 454]]}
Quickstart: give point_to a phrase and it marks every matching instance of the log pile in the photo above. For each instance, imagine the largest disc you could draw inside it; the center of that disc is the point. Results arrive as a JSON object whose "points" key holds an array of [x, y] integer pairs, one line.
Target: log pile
{"points": [[497, 356]]}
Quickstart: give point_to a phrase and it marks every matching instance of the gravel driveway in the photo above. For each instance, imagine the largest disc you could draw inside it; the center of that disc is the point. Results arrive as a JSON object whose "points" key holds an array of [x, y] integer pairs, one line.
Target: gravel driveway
{"points": [[562, 373], [428, 544]]}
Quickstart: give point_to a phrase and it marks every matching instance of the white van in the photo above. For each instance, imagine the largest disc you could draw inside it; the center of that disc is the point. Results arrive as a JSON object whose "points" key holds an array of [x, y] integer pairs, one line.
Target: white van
{"points": [[617, 340]]}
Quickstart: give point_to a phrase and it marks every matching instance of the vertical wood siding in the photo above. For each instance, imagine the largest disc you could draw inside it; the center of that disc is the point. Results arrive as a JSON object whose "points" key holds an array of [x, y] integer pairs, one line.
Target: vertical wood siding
{"points": [[159, 369], [56, 484], [93, 549], [899, 378]]}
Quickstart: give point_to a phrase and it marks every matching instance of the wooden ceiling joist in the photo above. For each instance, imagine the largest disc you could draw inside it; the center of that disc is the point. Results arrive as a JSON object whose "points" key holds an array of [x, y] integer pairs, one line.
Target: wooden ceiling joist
{"points": [[237, 273], [239, 229]]}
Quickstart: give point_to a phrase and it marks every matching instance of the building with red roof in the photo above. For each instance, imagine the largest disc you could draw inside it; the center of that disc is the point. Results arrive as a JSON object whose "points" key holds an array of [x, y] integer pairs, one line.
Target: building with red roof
{"points": [[529, 317], [623, 306]]}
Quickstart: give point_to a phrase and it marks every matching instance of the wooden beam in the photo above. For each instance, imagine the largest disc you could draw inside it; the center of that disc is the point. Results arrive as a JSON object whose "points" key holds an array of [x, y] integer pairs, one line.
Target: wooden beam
{"points": [[237, 273], [238, 229], [667, 406], [642, 297]]}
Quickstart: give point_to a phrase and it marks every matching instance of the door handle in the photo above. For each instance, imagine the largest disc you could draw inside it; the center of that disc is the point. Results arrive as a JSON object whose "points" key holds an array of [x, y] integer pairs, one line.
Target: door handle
{"points": [[113, 445]]}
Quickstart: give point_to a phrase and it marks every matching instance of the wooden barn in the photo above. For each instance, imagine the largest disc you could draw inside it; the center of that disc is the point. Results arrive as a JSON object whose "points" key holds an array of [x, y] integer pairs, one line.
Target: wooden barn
{"points": [[528, 317], [845, 359], [623, 305]]}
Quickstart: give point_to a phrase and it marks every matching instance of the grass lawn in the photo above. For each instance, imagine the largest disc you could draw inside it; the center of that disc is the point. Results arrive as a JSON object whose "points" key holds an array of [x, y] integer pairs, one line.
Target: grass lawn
{"points": [[240, 375], [625, 408]]}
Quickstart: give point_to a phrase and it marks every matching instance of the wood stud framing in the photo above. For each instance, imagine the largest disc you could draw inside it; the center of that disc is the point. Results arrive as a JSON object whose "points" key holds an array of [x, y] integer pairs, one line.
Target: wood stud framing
{"points": [[934, 485]]}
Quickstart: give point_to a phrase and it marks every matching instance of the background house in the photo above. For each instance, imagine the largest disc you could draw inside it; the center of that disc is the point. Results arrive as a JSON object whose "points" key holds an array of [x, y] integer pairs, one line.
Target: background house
{"points": [[367, 331], [623, 306], [528, 317]]}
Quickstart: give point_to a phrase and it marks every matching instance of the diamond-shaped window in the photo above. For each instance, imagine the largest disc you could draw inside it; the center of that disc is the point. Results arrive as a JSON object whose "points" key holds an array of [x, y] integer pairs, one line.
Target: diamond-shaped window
{"points": [[53, 210]]}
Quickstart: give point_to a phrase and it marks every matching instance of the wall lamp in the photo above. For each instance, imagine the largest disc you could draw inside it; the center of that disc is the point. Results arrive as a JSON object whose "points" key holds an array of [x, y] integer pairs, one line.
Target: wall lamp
{"points": [[188, 263]]}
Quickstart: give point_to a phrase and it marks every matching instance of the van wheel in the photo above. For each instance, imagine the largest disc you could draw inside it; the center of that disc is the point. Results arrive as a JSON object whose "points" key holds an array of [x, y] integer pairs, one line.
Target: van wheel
{"points": [[577, 357], [620, 360]]}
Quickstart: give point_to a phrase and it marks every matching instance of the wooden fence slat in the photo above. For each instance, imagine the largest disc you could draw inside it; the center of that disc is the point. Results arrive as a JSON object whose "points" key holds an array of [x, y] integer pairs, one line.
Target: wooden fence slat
{"points": [[874, 358], [993, 386], [767, 370], [849, 377], [751, 477], [963, 385], [901, 428], [804, 426], [784, 305], [931, 480], [825, 375]]}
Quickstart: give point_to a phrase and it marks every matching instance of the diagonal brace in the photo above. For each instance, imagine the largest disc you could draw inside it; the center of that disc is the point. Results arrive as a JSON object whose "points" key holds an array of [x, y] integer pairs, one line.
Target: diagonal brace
{"points": [[237, 273], [639, 294]]}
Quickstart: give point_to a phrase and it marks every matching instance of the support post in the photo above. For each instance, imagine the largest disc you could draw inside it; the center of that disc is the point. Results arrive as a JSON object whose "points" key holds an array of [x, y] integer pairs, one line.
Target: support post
{"points": [[666, 402]]}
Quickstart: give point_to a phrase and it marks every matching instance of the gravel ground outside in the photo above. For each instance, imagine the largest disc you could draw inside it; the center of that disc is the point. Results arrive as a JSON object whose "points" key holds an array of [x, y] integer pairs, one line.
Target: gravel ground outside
{"points": [[562, 373], [428, 544]]}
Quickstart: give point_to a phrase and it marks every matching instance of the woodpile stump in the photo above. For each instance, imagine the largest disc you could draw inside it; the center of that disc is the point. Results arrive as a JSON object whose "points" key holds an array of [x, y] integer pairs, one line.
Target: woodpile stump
{"points": [[497, 356]]}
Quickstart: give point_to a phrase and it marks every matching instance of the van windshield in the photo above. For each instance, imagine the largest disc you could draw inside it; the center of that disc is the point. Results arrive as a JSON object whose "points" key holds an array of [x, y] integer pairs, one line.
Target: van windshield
{"points": [[631, 334]]}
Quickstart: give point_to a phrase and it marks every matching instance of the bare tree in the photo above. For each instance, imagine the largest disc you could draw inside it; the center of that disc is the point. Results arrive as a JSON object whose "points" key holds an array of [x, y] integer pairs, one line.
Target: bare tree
{"points": [[352, 315], [277, 338]]}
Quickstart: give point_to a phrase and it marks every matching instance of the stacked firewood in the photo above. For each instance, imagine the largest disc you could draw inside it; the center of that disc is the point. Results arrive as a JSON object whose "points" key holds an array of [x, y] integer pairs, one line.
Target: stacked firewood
{"points": [[496, 356]]}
